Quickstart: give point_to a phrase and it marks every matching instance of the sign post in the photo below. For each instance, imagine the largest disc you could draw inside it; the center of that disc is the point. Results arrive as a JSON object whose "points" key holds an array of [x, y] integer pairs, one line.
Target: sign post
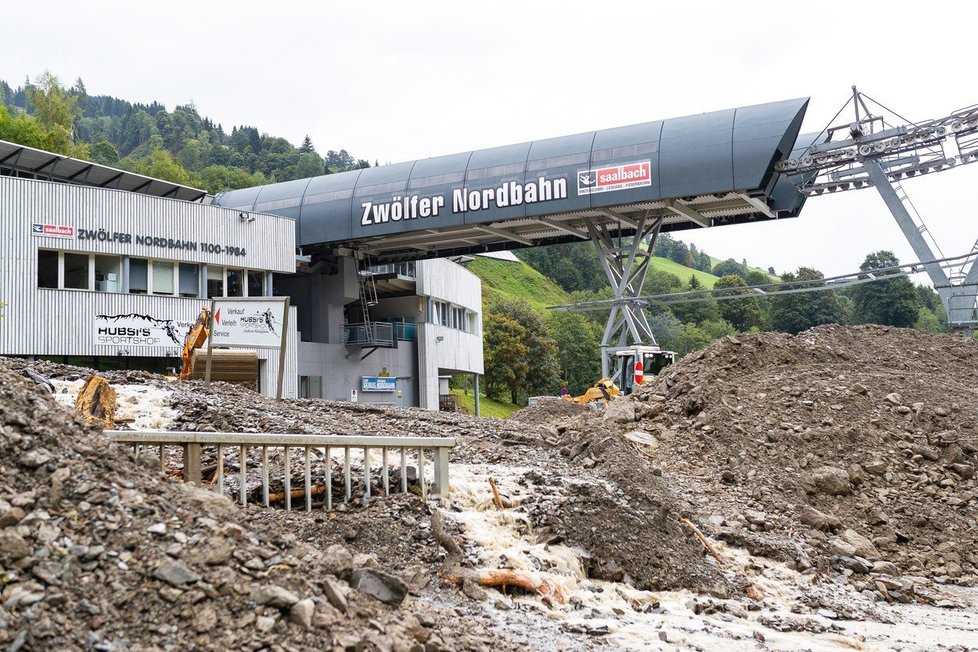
{"points": [[249, 322]]}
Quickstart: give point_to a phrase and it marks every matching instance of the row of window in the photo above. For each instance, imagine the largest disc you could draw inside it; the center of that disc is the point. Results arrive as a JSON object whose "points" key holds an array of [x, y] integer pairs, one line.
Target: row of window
{"points": [[77, 271], [448, 314]]}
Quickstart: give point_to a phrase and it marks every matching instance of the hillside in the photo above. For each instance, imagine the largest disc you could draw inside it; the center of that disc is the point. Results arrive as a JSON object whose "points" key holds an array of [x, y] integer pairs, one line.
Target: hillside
{"points": [[672, 267], [516, 279]]}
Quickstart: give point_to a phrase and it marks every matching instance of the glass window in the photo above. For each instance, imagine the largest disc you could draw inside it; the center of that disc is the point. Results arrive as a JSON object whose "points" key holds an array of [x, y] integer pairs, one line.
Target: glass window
{"points": [[47, 269], [162, 277], [138, 275], [215, 281], [256, 283], [76, 271], [235, 287], [108, 273], [189, 280]]}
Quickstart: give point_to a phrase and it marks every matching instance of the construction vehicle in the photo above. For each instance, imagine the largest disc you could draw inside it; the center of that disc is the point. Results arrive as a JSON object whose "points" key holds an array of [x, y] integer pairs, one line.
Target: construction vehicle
{"points": [[651, 360], [230, 365]]}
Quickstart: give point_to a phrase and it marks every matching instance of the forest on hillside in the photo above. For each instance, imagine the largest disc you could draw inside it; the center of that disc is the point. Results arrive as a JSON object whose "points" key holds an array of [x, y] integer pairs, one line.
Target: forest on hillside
{"points": [[178, 145]]}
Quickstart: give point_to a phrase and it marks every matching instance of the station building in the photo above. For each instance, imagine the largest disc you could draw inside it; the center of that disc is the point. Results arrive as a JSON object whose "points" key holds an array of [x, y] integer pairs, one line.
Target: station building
{"points": [[108, 269]]}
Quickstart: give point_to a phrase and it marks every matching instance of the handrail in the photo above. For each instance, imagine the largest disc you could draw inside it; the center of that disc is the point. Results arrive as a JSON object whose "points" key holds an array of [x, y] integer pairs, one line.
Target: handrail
{"points": [[192, 443]]}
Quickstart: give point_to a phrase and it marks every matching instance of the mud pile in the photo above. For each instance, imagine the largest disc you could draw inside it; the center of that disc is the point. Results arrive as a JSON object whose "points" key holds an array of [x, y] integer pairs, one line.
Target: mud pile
{"points": [[97, 552], [851, 449]]}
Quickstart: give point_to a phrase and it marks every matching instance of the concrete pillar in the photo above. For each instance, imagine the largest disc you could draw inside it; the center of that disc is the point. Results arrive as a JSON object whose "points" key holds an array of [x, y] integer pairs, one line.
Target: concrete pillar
{"points": [[475, 383]]}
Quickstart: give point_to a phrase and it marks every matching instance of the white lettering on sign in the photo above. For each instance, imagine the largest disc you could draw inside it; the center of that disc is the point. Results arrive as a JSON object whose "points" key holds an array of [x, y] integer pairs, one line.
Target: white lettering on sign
{"points": [[52, 230], [133, 329], [614, 177], [510, 193]]}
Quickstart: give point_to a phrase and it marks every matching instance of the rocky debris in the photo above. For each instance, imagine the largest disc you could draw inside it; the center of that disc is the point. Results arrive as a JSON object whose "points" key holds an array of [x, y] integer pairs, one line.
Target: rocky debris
{"points": [[385, 587], [98, 553], [547, 410], [816, 519], [832, 481]]}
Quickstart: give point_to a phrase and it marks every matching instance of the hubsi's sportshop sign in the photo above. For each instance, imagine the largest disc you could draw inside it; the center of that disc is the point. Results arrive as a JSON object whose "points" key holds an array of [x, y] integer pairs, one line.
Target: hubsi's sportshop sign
{"points": [[134, 329], [505, 194]]}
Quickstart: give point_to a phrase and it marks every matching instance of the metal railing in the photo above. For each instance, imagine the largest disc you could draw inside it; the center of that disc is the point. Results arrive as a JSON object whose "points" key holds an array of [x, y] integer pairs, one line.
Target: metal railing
{"points": [[192, 444], [374, 333], [400, 269]]}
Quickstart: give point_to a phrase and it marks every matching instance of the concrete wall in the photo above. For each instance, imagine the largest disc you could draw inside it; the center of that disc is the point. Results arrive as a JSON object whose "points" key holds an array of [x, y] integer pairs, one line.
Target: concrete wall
{"points": [[340, 374]]}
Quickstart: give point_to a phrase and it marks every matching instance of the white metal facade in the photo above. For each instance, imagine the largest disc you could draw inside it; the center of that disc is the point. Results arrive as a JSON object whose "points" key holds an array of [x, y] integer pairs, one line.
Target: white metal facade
{"points": [[42, 321]]}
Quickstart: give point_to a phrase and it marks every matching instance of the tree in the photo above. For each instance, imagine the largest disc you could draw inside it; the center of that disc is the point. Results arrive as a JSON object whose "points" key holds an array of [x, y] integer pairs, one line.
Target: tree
{"points": [[743, 314], [699, 311], [51, 103], [506, 363], [105, 153], [306, 145], [893, 302], [730, 267], [543, 374], [578, 349], [793, 313], [309, 165]]}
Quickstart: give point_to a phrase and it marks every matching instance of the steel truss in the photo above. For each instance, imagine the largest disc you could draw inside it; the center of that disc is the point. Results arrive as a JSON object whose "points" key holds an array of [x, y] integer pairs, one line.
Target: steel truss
{"points": [[626, 264], [876, 154]]}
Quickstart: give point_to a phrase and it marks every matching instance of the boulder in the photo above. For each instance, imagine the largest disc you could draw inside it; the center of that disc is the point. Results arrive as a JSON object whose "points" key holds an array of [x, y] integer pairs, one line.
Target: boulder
{"points": [[863, 546], [819, 521], [302, 612], [274, 596], [385, 587], [831, 480], [174, 573], [620, 410], [338, 561]]}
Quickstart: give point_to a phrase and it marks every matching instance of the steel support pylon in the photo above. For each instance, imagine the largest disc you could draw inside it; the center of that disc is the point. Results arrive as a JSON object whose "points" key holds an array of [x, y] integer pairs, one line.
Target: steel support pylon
{"points": [[959, 295], [626, 264]]}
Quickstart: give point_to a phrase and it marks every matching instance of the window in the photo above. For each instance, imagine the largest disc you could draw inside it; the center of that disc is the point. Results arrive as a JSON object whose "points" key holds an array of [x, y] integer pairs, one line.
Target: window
{"points": [[108, 273], [256, 283], [47, 269], [215, 281], [162, 277], [138, 276], [235, 287], [76, 271], [189, 280]]}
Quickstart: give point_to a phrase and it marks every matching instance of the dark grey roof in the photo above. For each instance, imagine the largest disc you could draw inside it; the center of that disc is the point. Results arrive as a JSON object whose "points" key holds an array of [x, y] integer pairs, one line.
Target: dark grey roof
{"points": [[22, 161], [703, 170]]}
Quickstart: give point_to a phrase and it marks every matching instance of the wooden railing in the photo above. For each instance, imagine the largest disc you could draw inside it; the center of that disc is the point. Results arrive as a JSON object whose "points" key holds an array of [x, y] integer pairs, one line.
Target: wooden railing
{"points": [[192, 444]]}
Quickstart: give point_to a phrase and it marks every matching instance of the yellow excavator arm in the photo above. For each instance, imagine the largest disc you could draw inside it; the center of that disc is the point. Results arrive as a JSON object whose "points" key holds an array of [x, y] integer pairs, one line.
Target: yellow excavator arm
{"points": [[603, 390], [195, 339]]}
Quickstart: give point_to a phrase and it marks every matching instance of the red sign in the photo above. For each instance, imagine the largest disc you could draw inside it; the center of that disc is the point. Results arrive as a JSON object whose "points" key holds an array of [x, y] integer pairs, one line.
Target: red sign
{"points": [[614, 177], [52, 230]]}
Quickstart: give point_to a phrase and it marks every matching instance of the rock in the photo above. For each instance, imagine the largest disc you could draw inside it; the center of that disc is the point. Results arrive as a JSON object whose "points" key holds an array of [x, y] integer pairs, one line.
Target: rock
{"points": [[338, 561], [858, 388], [175, 573], [641, 437], [11, 516], [205, 620], [756, 518], [929, 452], [831, 480], [274, 596], [57, 481], [728, 477], [265, 623], [876, 466], [841, 548], [620, 410], [855, 564], [387, 588], [12, 547], [36, 458], [334, 594], [473, 591], [819, 521], [215, 551], [966, 471], [886, 568], [302, 611], [863, 546], [856, 474], [157, 528], [894, 399]]}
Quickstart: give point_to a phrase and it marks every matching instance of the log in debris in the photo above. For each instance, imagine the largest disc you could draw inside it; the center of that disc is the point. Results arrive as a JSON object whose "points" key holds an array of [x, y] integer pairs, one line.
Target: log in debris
{"points": [[96, 401], [751, 589], [297, 494], [452, 571]]}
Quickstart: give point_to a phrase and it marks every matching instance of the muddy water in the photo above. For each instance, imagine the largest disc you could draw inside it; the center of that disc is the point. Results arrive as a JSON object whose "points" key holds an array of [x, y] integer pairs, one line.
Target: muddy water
{"points": [[147, 406], [617, 616]]}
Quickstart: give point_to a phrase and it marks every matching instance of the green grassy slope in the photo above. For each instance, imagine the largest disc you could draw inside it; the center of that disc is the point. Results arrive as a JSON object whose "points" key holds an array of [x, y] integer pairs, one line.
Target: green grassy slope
{"points": [[487, 406], [683, 272], [714, 261], [500, 277]]}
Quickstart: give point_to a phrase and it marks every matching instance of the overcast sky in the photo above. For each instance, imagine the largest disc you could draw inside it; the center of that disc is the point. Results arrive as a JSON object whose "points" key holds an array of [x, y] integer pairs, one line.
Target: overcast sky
{"points": [[394, 81]]}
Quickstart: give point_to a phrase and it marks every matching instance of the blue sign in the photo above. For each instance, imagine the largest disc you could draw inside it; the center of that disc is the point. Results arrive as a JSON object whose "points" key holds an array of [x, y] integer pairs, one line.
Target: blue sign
{"points": [[378, 383]]}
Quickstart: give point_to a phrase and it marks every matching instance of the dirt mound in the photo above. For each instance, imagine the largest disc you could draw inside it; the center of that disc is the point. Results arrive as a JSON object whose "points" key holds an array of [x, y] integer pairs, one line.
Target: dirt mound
{"points": [[96, 552], [848, 448], [547, 410]]}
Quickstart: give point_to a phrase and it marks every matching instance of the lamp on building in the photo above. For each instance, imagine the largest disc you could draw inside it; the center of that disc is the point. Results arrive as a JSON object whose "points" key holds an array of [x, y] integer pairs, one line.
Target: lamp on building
{"points": [[440, 338], [245, 217]]}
